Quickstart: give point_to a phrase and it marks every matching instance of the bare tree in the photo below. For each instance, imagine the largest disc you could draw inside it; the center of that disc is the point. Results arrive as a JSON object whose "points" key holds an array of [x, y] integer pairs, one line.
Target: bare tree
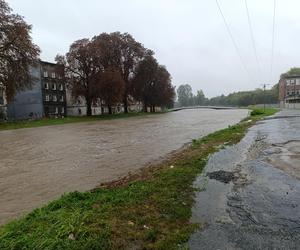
{"points": [[17, 52]]}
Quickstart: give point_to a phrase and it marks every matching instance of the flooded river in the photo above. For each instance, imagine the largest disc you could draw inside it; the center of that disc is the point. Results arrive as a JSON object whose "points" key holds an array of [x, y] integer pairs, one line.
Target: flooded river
{"points": [[40, 164]]}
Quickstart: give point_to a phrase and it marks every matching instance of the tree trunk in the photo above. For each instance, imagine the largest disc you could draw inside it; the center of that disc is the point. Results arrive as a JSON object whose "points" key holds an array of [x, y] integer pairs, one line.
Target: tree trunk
{"points": [[109, 109], [145, 108], [125, 103], [88, 106]]}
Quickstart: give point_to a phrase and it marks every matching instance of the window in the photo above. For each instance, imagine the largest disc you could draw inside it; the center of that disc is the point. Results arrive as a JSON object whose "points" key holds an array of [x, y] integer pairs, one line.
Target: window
{"points": [[47, 98], [62, 110], [62, 98], [61, 87], [56, 110], [292, 81], [46, 85], [54, 98], [53, 75], [298, 81], [54, 86], [45, 74]]}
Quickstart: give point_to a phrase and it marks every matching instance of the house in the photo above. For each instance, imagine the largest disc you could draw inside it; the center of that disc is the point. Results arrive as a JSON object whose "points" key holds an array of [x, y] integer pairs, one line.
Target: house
{"points": [[289, 91], [46, 98]]}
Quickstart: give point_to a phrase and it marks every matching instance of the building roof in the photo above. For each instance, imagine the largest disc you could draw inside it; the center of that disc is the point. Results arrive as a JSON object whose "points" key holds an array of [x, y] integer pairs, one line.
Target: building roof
{"points": [[291, 76]]}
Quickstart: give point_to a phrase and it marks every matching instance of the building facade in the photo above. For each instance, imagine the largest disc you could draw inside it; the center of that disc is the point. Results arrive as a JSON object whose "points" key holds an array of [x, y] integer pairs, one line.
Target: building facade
{"points": [[289, 92], [46, 98]]}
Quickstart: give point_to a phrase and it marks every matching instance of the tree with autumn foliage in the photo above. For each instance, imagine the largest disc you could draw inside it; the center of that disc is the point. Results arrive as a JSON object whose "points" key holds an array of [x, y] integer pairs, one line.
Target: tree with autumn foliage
{"points": [[114, 68], [17, 52], [123, 52], [152, 84], [82, 69], [162, 92], [110, 88]]}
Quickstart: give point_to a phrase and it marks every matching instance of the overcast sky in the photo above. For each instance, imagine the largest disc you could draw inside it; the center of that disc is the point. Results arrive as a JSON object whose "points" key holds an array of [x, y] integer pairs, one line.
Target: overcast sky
{"points": [[188, 36]]}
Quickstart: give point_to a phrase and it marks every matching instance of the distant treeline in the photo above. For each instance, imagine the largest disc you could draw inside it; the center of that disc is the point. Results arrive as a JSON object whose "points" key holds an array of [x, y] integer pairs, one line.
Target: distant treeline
{"points": [[241, 98]]}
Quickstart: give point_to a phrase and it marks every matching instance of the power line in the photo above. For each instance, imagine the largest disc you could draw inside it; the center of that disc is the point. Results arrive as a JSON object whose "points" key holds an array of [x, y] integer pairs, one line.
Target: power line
{"points": [[273, 35], [233, 40], [252, 39]]}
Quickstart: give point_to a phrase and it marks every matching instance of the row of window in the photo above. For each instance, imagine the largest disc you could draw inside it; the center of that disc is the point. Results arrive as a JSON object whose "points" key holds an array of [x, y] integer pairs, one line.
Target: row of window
{"points": [[53, 98], [297, 92], [53, 75], [54, 87], [292, 81]]}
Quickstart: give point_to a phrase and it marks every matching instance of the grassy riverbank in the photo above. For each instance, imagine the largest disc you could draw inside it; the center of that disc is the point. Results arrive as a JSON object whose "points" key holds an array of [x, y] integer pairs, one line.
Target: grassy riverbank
{"points": [[66, 120], [148, 210]]}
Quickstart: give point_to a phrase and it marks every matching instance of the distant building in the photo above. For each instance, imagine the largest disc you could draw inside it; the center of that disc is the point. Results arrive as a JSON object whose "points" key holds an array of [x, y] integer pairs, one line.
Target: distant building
{"points": [[77, 106], [289, 91], [46, 98]]}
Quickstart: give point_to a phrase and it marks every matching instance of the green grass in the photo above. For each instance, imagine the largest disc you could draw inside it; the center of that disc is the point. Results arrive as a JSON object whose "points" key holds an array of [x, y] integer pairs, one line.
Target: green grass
{"points": [[260, 112], [149, 210], [66, 120]]}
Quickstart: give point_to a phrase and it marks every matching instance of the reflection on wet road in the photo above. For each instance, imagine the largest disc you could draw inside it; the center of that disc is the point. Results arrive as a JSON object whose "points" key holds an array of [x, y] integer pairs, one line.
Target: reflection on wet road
{"points": [[259, 207], [40, 164]]}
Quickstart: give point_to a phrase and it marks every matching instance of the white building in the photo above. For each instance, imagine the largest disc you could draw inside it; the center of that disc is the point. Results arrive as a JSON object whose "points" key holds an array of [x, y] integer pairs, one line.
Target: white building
{"points": [[77, 106]]}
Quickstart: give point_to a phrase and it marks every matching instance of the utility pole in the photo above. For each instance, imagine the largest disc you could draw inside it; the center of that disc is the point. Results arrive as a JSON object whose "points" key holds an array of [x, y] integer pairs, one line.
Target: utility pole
{"points": [[294, 93], [264, 89]]}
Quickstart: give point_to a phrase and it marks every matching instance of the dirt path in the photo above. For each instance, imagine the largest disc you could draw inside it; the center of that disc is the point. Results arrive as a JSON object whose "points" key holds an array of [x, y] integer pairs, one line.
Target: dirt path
{"points": [[40, 164], [252, 191]]}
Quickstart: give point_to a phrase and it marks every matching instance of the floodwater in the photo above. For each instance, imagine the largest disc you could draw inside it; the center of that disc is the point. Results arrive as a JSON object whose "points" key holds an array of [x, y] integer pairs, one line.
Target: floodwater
{"points": [[259, 207], [40, 164]]}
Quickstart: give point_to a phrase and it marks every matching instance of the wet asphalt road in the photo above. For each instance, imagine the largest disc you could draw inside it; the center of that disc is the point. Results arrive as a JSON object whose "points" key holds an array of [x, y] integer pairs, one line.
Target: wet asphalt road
{"points": [[40, 164], [260, 207]]}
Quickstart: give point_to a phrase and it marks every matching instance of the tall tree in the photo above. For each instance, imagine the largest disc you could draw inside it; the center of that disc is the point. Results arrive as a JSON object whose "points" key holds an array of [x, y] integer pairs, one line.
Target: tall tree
{"points": [[81, 69], [144, 79], [123, 52], [184, 93], [110, 87], [17, 52], [162, 92], [200, 98], [152, 84]]}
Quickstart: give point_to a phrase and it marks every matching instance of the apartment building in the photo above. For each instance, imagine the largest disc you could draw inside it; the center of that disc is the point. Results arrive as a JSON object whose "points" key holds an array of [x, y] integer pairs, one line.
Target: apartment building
{"points": [[46, 98], [289, 92]]}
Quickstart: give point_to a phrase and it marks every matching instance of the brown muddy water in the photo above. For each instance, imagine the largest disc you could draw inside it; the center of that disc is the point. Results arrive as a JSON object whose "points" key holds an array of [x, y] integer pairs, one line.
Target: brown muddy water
{"points": [[40, 164]]}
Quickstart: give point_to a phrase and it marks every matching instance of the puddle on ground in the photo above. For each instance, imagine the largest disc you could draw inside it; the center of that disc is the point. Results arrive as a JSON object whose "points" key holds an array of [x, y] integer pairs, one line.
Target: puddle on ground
{"points": [[247, 203], [223, 176]]}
